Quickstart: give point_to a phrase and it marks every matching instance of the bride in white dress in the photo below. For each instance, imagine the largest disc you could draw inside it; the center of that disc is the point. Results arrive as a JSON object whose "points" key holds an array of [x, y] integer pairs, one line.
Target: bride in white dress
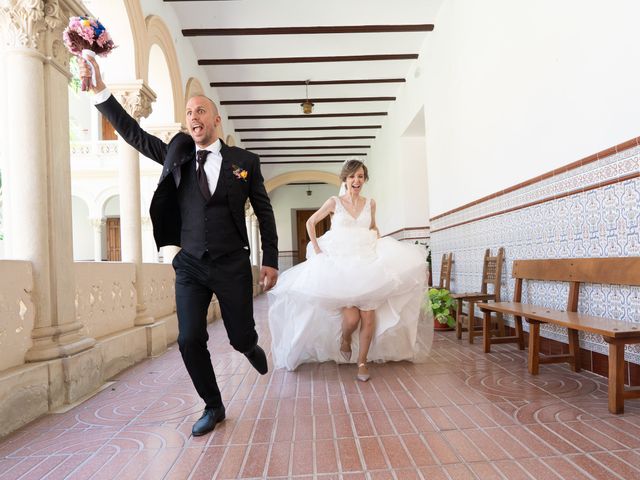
{"points": [[351, 279]]}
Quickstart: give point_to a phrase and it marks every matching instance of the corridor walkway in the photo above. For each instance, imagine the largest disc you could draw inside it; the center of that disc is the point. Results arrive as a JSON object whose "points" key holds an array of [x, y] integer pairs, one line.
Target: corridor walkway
{"points": [[461, 415]]}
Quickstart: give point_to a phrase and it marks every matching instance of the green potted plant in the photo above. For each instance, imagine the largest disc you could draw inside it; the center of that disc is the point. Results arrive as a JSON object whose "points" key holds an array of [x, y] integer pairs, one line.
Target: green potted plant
{"points": [[442, 306]]}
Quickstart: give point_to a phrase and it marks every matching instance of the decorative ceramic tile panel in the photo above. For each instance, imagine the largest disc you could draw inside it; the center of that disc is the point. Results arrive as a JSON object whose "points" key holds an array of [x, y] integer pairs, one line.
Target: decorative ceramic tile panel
{"points": [[599, 222]]}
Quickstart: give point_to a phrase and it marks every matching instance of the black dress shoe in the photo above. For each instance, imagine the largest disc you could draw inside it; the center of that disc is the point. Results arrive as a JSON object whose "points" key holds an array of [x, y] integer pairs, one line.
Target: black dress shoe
{"points": [[207, 422], [258, 359]]}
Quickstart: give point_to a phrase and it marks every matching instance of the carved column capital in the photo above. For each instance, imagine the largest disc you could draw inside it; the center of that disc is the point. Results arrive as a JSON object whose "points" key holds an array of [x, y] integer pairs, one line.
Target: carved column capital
{"points": [[22, 22], [98, 224], [135, 97], [165, 132]]}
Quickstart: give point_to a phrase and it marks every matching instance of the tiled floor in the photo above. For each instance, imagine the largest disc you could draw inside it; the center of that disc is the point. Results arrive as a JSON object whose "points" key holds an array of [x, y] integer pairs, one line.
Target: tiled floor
{"points": [[463, 414]]}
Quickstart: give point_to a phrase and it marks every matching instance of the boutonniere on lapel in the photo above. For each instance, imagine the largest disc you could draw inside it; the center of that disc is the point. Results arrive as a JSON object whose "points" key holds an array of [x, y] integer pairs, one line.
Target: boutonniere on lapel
{"points": [[240, 173]]}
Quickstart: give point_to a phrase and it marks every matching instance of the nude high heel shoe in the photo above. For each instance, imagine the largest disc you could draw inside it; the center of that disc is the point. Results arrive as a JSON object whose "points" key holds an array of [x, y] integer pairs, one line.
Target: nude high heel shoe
{"points": [[346, 354], [363, 377]]}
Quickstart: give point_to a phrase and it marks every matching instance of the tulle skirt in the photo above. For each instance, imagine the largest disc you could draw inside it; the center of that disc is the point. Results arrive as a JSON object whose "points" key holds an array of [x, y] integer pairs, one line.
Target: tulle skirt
{"points": [[357, 269]]}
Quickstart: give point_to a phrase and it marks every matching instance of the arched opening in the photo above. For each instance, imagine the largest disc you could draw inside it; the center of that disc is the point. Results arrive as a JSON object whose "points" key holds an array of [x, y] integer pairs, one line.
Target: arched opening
{"points": [[82, 230]]}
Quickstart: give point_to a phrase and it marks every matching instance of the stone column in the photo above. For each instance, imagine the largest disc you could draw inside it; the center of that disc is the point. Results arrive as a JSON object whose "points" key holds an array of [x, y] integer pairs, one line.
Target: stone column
{"points": [[247, 221], [149, 250], [255, 235], [98, 225], [37, 180], [166, 132], [136, 98]]}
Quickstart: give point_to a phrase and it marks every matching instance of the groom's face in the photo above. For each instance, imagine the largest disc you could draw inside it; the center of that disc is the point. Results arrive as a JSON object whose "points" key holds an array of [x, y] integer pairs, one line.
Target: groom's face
{"points": [[202, 120]]}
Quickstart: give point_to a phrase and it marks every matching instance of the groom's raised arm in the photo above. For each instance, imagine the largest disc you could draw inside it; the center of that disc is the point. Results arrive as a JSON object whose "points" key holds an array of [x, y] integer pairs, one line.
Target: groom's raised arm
{"points": [[123, 123]]}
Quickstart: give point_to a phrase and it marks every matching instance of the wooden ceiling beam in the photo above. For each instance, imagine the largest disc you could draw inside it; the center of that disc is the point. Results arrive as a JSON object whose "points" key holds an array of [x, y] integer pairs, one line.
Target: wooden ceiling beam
{"points": [[313, 115], [288, 83], [295, 129], [275, 101], [306, 139], [290, 155], [311, 30], [332, 58], [321, 147]]}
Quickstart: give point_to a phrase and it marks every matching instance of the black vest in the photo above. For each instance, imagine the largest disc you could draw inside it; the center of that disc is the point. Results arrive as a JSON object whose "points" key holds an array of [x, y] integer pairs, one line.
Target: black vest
{"points": [[206, 226]]}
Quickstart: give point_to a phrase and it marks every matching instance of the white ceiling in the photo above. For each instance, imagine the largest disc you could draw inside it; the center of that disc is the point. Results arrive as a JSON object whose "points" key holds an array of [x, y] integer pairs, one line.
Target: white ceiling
{"points": [[244, 14]]}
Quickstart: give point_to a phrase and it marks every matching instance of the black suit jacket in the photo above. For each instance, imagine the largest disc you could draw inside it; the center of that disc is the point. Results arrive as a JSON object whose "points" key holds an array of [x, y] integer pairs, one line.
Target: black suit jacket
{"points": [[164, 210]]}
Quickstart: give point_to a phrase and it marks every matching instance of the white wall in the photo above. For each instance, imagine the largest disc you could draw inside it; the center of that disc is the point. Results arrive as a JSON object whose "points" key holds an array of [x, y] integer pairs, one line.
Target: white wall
{"points": [[510, 89], [517, 88], [289, 197]]}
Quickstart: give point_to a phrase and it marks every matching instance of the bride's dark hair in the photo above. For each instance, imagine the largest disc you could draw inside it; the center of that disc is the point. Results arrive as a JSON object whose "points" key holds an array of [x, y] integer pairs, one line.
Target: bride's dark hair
{"points": [[352, 166]]}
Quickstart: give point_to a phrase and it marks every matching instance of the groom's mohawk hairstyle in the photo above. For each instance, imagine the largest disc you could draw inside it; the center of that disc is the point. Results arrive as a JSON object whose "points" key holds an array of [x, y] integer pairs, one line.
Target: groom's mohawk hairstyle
{"points": [[352, 165]]}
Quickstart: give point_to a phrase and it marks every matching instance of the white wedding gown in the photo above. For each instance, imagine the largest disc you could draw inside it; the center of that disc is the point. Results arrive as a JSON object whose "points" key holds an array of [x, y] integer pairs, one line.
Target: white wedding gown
{"points": [[358, 269]]}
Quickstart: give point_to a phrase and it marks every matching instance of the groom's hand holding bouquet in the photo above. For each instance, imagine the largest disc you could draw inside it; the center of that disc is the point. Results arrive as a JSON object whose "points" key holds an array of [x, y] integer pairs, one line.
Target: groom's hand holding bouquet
{"points": [[86, 37]]}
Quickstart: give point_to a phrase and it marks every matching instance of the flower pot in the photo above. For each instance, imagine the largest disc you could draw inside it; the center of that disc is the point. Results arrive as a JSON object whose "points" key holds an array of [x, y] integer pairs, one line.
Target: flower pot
{"points": [[441, 327]]}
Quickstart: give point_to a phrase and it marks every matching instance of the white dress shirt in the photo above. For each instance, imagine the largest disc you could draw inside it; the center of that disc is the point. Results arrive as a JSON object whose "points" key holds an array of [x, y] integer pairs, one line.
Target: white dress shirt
{"points": [[214, 159], [212, 165]]}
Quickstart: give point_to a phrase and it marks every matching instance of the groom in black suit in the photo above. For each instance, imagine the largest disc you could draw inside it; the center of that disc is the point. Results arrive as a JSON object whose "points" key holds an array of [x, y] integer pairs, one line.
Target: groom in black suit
{"points": [[200, 205]]}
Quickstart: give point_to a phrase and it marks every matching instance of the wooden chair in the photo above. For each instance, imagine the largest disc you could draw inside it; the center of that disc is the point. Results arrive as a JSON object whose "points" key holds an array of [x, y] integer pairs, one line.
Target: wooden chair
{"points": [[445, 271], [491, 275]]}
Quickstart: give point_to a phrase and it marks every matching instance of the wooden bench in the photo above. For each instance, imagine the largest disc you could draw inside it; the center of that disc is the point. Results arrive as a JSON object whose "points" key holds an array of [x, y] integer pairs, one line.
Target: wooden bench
{"points": [[617, 333], [491, 276]]}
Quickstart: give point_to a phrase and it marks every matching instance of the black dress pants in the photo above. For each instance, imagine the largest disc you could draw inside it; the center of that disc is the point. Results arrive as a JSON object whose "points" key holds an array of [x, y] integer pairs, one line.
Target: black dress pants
{"points": [[229, 277]]}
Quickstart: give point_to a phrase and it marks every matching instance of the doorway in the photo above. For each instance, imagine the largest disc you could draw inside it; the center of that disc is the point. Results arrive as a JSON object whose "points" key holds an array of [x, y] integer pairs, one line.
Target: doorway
{"points": [[301, 229], [113, 240]]}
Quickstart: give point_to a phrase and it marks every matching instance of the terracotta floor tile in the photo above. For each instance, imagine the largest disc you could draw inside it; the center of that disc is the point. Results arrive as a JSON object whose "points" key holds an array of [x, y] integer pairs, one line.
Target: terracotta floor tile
{"points": [[342, 426], [459, 471], [616, 464], [348, 454], [513, 470], [487, 471], [279, 459], [232, 462], [302, 460], [256, 461], [565, 468], [372, 452], [418, 450], [382, 423], [463, 446], [461, 414], [394, 449], [434, 473], [325, 455], [303, 429], [442, 450]]}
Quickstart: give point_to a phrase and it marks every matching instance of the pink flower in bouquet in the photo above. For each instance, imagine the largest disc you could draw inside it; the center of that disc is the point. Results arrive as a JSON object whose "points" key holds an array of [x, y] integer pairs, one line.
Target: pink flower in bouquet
{"points": [[84, 35]]}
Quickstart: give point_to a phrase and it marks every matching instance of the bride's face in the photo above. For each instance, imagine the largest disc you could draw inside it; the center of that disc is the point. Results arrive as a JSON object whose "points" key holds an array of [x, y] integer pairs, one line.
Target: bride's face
{"points": [[355, 181]]}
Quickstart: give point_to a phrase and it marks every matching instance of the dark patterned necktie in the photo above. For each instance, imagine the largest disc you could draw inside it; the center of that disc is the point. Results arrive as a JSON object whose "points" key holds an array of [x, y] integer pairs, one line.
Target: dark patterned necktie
{"points": [[201, 157]]}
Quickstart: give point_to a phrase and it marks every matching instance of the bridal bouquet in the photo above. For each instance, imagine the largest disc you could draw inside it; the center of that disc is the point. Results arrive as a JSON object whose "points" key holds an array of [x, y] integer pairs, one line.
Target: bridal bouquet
{"points": [[86, 37]]}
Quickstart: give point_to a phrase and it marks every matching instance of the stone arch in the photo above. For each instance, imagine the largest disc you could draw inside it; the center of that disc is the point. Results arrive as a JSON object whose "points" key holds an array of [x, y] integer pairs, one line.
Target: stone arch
{"points": [[139, 31], [158, 34], [301, 177], [194, 87], [104, 196]]}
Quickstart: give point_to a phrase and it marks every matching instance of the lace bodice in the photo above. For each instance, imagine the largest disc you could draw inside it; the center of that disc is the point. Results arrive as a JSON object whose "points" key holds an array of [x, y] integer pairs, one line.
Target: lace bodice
{"points": [[343, 219]]}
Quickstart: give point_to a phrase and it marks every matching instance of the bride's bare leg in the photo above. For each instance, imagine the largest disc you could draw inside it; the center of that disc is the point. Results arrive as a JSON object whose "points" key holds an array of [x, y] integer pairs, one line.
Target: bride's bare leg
{"points": [[350, 319], [367, 328]]}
